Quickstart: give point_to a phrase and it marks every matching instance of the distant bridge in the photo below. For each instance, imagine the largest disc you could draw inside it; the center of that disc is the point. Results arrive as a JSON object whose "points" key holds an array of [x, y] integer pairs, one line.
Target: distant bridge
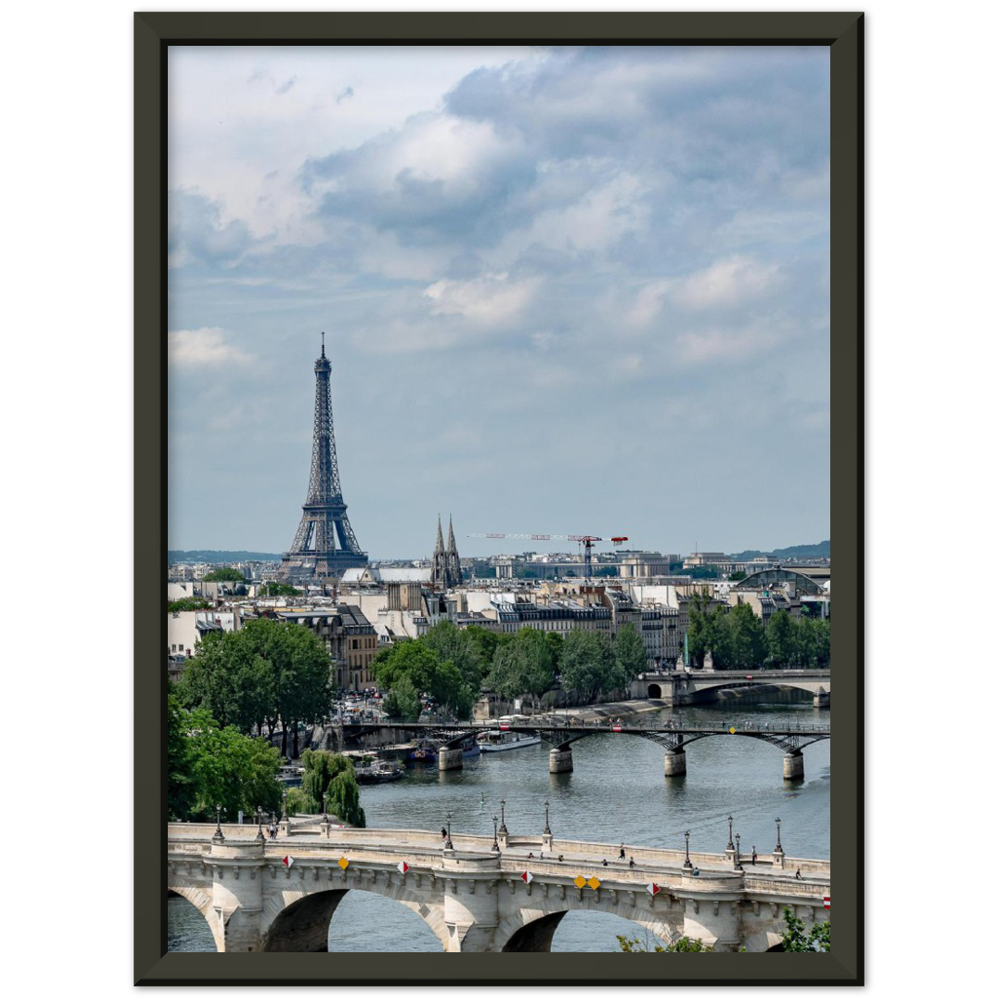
{"points": [[682, 687], [474, 892], [560, 735]]}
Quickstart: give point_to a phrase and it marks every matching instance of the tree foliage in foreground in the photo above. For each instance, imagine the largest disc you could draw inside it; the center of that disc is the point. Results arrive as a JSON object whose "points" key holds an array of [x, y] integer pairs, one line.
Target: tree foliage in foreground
{"points": [[683, 944], [411, 667], [209, 765], [797, 938]]}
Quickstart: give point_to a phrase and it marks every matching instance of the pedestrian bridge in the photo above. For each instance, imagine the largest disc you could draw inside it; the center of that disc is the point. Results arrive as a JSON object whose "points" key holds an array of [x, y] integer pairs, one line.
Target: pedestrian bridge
{"points": [[473, 892]]}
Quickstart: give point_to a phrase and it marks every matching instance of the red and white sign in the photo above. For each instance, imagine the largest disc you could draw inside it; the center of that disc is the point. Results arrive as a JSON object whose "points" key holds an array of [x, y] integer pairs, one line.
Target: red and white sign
{"points": [[287, 861], [403, 867], [652, 888], [616, 729], [503, 725], [826, 902], [527, 877]]}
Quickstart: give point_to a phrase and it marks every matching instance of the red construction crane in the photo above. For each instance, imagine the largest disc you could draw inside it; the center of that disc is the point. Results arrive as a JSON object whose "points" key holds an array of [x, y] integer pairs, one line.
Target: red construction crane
{"points": [[586, 541]]}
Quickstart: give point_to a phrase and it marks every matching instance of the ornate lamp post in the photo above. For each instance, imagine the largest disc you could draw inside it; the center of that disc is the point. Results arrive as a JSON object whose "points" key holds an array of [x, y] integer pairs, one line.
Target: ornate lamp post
{"points": [[738, 867], [326, 819], [260, 824], [503, 821], [284, 806], [687, 851], [496, 846], [729, 846], [547, 830], [779, 847], [448, 846], [218, 835]]}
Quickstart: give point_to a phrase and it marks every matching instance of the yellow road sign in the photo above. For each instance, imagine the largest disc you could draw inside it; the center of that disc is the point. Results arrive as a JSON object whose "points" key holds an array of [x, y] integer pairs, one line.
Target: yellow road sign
{"points": [[732, 730], [594, 882], [579, 881], [343, 862]]}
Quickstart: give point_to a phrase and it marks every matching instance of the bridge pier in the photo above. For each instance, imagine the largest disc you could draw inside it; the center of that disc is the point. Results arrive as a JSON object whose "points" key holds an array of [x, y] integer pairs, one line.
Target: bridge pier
{"points": [[450, 760], [821, 699], [560, 761], [237, 902], [675, 763], [794, 767]]}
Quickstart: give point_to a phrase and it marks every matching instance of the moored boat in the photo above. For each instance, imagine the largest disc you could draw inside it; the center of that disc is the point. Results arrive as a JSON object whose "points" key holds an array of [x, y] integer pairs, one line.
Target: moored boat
{"points": [[503, 739]]}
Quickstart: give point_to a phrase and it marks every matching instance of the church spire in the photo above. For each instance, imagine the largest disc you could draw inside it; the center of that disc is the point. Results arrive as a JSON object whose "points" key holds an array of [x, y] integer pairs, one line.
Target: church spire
{"points": [[439, 544], [451, 538]]}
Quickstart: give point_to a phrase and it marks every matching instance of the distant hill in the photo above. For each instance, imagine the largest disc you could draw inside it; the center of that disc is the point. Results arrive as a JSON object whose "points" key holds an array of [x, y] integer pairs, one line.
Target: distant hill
{"points": [[220, 556], [819, 550]]}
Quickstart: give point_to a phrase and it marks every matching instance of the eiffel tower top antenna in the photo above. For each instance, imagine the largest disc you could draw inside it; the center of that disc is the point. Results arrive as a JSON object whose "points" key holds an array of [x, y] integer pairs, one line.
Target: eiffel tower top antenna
{"points": [[322, 341]]}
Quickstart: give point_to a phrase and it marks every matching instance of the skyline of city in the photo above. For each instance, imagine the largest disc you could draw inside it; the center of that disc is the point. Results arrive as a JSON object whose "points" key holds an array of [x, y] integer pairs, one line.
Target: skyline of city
{"points": [[563, 292]]}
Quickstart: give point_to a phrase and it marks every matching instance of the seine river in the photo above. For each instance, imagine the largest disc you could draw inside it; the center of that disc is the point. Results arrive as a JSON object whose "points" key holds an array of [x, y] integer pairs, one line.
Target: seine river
{"points": [[616, 792]]}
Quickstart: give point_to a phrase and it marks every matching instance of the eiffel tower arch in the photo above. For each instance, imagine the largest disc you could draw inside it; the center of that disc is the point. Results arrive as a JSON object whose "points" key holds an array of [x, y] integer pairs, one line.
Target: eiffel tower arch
{"points": [[324, 544]]}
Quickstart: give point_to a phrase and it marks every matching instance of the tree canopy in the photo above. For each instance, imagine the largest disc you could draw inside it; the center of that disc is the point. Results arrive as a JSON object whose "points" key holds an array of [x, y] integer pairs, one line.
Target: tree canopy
{"points": [[225, 574], [587, 663], [334, 774], [525, 665], [187, 604], [209, 765], [412, 667], [263, 673]]}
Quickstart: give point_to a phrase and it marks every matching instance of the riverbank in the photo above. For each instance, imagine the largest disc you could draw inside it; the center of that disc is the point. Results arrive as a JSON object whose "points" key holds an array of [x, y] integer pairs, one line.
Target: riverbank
{"points": [[609, 710]]}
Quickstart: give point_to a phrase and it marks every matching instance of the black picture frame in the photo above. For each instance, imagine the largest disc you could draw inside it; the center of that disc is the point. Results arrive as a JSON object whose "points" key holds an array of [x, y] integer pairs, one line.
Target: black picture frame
{"points": [[844, 33]]}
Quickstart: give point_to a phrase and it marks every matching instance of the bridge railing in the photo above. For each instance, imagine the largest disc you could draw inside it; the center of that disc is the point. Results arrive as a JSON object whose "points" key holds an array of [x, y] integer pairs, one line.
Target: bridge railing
{"points": [[389, 844]]}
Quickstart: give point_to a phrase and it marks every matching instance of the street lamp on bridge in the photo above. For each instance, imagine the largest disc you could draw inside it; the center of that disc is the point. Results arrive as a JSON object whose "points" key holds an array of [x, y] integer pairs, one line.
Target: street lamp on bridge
{"points": [[729, 846], [496, 845], [503, 821], [218, 835], [778, 848], [284, 806], [448, 846], [738, 867], [687, 851], [547, 830], [260, 824]]}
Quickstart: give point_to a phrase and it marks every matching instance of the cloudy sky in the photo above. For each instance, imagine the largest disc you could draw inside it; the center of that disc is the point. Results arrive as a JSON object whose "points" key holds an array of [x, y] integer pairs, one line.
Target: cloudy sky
{"points": [[564, 291]]}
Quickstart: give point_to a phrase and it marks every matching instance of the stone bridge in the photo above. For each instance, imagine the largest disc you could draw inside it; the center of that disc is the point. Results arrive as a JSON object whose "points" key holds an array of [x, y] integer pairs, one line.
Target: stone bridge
{"points": [[682, 687], [471, 891]]}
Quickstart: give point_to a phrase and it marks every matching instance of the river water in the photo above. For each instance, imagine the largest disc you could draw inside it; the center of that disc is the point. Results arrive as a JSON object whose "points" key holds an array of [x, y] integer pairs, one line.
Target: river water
{"points": [[616, 792]]}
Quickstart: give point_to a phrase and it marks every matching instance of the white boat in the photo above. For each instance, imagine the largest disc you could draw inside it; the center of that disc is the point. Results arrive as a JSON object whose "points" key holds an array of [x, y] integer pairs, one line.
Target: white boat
{"points": [[497, 740]]}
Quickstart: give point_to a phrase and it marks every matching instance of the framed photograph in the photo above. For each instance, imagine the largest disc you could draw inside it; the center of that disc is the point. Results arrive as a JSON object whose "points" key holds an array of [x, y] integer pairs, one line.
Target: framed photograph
{"points": [[567, 310]]}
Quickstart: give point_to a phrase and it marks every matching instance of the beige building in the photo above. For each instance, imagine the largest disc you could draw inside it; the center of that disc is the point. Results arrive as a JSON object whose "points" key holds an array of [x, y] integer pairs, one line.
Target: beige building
{"points": [[350, 638]]}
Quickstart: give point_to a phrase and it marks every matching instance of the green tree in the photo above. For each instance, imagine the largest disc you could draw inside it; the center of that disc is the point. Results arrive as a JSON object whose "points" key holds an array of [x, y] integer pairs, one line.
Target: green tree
{"points": [[587, 664], [523, 666], [181, 789], [426, 673], [225, 574], [264, 673], [219, 766], [745, 645], [706, 631], [187, 604], [796, 938], [402, 703], [629, 656], [455, 644], [782, 647], [334, 774], [486, 641]]}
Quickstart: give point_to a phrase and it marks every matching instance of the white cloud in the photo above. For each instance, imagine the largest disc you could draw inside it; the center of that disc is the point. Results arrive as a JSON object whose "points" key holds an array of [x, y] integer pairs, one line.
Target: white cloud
{"points": [[490, 300], [727, 283], [203, 347]]}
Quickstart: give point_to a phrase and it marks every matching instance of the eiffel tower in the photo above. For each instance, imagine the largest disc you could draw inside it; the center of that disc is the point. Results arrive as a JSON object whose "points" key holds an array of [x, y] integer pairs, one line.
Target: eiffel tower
{"points": [[314, 553]]}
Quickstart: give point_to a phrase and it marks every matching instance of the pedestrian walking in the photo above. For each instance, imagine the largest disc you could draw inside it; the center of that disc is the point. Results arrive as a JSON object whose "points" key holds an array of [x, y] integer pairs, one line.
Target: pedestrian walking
{"points": [[798, 874], [605, 862], [444, 833], [753, 859], [560, 857], [631, 862], [621, 853]]}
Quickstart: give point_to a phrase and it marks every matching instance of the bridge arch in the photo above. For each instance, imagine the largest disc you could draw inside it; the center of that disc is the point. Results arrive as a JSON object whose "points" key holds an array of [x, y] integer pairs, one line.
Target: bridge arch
{"points": [[654, 691], [201, 900], [299, 920], [532, 930]]}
